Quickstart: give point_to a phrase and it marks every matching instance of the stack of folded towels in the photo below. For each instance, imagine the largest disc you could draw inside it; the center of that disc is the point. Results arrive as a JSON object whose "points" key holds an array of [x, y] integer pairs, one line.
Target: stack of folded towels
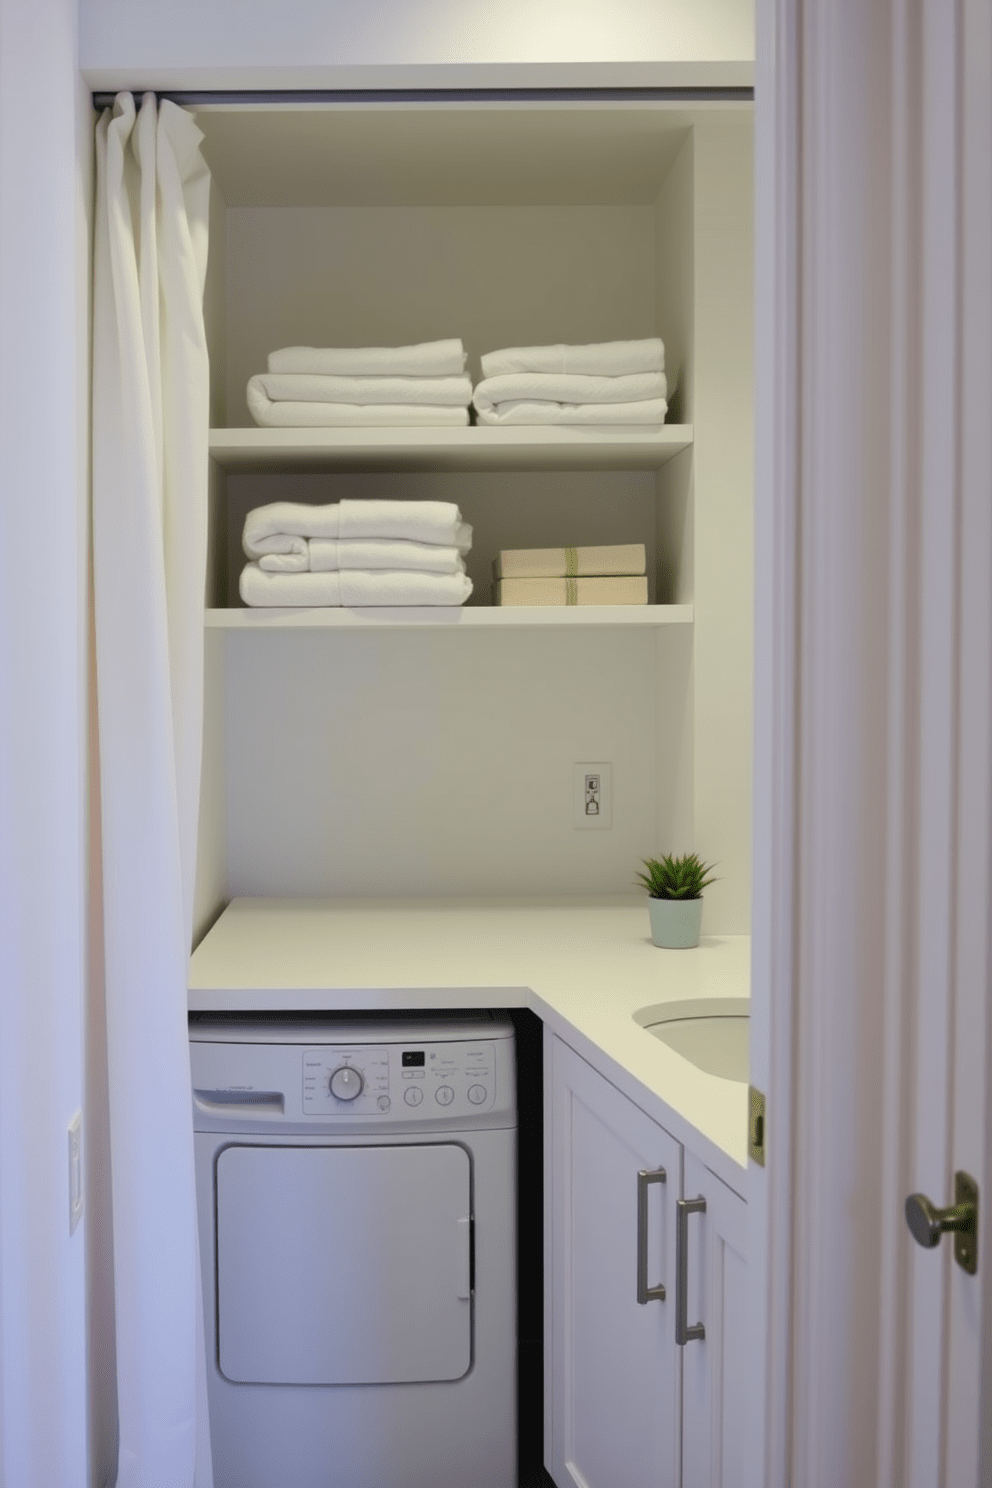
{"points": [[356, 553], [609, 575], [614, 382], [310, 386]]}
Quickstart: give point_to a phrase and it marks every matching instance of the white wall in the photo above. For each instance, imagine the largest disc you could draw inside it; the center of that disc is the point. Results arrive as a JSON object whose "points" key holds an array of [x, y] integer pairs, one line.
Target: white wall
{"points": [[436, 763], [705, 501], [415, 43], [723, 453], [211, 869], [674, 230], [393, 276], [44, 193]]}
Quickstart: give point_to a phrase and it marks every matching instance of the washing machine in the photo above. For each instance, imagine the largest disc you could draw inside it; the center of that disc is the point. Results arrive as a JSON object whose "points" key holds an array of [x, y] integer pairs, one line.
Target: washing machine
{"points": [[356, 1188]]}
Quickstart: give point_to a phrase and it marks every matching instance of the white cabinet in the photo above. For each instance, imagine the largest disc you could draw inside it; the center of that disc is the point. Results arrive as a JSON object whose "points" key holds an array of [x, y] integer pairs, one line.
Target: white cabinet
{"points": [[612, 1413], [626, 1406], [714, 1367]]}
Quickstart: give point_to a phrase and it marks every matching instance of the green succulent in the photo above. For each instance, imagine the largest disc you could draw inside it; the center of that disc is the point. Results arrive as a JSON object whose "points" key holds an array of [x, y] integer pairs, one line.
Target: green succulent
{"points": [[676, 878]]}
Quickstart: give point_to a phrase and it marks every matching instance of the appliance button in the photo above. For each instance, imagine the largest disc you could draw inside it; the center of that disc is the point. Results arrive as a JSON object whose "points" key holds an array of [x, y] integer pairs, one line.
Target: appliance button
{"points": [[444, 1095], [477, 1094], [384, 1103], [413, 1096]]}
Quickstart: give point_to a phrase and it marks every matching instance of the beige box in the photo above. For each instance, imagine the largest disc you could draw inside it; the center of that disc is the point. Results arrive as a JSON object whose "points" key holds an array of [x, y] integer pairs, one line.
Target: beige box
{"points": [[630, 589], [560, 563]]}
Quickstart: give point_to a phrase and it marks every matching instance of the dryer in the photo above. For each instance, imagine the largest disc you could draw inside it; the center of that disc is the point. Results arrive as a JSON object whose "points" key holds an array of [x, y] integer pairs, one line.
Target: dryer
{"points": [[356, 1189]]}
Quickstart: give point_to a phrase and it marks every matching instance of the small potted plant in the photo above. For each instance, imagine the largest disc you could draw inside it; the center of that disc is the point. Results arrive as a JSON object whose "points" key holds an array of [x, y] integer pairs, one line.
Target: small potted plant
{"points": [[675, 886]]}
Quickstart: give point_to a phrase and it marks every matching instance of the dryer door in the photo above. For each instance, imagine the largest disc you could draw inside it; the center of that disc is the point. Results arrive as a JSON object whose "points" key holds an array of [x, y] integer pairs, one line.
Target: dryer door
{"points": [[343, 1265]]}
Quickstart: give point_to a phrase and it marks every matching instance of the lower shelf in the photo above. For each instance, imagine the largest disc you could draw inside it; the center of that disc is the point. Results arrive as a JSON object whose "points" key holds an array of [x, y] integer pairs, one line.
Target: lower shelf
{"points": [[458, 617]]}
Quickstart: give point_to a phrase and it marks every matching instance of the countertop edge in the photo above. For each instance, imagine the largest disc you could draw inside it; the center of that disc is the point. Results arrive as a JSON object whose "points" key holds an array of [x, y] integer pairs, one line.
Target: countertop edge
{"points": [[309, 999], [721, 1163]]}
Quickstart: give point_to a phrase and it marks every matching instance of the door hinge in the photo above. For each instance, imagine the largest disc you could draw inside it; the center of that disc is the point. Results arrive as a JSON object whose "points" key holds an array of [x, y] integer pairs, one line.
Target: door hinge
{"points": [[756, 1125]]}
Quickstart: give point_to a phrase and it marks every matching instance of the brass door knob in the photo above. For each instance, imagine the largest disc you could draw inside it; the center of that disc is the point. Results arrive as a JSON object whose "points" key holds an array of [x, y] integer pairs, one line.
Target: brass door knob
{"points": [[927, 1223]]}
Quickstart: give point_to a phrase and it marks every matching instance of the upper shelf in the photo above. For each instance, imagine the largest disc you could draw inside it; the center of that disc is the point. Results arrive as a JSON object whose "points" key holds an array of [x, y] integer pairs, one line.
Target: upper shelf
{"points": [[537, 447], [507, 152], [457, 617]]}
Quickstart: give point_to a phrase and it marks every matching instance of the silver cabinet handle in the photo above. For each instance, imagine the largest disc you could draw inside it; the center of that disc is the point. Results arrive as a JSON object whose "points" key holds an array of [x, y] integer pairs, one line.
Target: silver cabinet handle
{"points": [[644, 1292], [683, 1208]]}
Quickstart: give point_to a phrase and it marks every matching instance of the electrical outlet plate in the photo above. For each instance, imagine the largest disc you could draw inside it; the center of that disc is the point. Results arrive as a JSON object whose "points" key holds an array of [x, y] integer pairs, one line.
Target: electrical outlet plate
{"points": [[592, 796]]}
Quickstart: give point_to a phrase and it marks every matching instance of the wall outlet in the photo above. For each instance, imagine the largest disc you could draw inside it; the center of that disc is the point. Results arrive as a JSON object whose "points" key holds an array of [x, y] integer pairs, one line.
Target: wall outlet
{"points": [[592, 796]]}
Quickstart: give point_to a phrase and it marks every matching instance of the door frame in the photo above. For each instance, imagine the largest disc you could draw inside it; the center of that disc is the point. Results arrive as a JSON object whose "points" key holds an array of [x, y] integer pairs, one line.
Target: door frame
{"points": [[774, 808]]}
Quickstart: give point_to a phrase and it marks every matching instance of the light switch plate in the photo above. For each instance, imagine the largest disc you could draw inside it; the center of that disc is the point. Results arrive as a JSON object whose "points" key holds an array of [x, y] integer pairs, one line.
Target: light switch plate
{"points": [[592, 796]]}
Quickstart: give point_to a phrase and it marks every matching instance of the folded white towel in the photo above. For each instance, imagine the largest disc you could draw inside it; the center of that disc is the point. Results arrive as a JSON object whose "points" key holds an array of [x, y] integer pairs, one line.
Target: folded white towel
{"points": [[309, 387], [278, 415], [326, 555], [647, 411], [352, 588], [427, 359], [417, 521], [284, 526], [529, 387], [612, 358]]}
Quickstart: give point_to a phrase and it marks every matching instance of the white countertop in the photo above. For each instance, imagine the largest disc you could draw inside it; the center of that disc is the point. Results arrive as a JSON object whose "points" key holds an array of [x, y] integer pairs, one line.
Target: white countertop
{"points": [[583, 964]]}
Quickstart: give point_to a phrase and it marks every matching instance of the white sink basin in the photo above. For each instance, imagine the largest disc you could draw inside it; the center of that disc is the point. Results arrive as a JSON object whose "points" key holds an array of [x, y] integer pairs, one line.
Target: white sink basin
{"points": [[711, 1032]]}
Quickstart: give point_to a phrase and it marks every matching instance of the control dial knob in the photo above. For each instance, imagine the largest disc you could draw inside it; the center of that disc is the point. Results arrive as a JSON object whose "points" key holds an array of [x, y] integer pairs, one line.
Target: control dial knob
{"points": [[346, 1083]]}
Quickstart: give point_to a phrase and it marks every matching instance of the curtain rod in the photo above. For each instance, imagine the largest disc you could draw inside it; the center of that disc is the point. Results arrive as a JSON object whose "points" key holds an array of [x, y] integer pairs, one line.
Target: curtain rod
{"points": [[274, 97]]}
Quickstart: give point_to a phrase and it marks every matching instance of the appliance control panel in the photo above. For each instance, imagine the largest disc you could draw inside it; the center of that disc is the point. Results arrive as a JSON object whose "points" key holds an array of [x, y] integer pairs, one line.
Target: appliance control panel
{"points": [[397, 1082]]}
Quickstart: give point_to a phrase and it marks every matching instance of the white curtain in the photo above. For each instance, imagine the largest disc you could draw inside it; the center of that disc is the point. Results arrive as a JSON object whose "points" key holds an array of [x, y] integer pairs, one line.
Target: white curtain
{"points": [[150, 426]]}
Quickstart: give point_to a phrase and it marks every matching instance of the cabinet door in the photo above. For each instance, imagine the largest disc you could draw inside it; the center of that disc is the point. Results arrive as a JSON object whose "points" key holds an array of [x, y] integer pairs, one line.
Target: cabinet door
{"points": [[613, 1402], [714, 1367]]}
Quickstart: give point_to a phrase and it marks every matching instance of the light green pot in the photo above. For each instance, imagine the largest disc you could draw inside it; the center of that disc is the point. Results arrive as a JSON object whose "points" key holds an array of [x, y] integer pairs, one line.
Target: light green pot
{"points": [[675, 923]]}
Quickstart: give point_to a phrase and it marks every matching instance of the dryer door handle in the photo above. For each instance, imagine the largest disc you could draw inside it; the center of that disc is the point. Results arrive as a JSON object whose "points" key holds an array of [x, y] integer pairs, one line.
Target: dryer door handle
{"points": [[463, 1230]]}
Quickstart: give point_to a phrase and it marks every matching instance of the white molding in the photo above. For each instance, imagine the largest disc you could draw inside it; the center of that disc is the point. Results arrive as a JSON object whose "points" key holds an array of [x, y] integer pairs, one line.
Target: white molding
{"points": [[838, 1032], [901, 838], [137, 73], [924, 638], [935, 306], [769, 1192], [969, 1389]]}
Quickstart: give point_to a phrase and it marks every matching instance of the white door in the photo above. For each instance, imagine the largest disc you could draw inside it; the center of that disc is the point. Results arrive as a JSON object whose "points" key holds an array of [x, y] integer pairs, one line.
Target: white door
{"points": [[343, 1265], [873, 803]]}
